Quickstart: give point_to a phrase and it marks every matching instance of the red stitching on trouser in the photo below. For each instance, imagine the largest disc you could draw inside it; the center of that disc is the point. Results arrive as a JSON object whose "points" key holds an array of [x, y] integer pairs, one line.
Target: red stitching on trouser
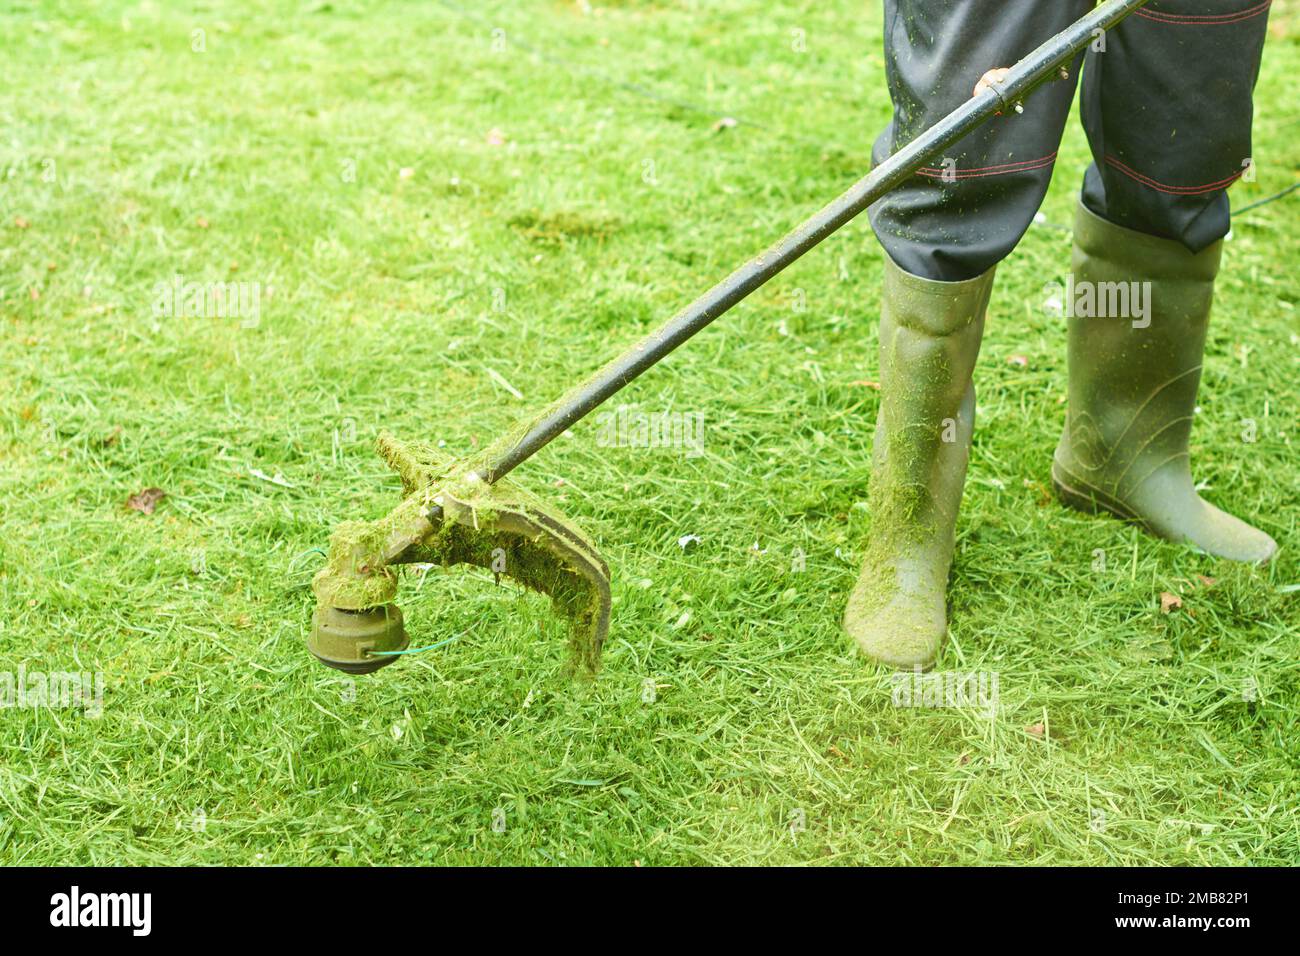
{"points": [[1204, 19], [976, 172], [1173, 190]]}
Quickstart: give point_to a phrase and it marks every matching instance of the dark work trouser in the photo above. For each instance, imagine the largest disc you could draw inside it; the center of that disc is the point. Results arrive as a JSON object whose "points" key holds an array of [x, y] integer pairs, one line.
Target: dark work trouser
{"points": [[1166, 106]]}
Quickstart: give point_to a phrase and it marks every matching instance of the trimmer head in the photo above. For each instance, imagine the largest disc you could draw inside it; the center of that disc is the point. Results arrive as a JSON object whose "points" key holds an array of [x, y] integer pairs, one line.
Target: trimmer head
{"points": [[451, 516], [348, 640]]}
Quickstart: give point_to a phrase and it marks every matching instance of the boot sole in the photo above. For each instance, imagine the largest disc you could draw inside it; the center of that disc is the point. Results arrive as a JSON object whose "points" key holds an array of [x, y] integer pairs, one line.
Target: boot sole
{"points": [[1095, 501], [902, 667]]}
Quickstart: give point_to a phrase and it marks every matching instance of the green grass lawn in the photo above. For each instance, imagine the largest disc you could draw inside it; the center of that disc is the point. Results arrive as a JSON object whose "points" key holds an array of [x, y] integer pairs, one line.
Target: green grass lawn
{"points": [[451, 216]]}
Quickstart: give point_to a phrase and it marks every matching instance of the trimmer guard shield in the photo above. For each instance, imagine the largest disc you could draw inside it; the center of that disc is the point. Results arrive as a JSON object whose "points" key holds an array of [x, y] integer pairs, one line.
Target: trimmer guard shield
{"points": [[451, 516]]}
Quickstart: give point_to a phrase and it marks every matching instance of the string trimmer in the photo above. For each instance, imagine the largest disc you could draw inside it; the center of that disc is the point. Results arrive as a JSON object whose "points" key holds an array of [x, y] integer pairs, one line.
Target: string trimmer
{"points": [[465, 512]]}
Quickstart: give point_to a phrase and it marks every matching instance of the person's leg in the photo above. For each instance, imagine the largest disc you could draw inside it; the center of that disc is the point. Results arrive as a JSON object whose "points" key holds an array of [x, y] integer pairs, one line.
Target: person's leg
{"points": [[1168, 105], [1168, 110], [943, 231], [961, 216]]}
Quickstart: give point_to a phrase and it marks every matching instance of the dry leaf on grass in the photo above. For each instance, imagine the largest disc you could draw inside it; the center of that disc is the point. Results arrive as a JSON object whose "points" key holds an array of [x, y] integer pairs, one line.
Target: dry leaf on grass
{"points": [[1169, 601], [146, 501]]}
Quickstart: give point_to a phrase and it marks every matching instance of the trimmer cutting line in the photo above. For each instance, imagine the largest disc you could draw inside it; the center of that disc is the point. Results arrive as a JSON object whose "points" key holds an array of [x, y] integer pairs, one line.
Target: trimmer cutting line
{"points": [[464, 512]]}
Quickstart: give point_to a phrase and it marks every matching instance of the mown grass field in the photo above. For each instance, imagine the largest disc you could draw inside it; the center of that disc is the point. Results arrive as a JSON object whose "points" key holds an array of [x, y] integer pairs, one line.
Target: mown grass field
{"points": [[448, 207]]}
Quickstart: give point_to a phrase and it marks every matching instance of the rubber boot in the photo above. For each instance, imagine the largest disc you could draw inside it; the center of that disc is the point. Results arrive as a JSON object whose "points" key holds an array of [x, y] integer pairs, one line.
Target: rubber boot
{"points": [[1133, 382], [929, 339]]}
